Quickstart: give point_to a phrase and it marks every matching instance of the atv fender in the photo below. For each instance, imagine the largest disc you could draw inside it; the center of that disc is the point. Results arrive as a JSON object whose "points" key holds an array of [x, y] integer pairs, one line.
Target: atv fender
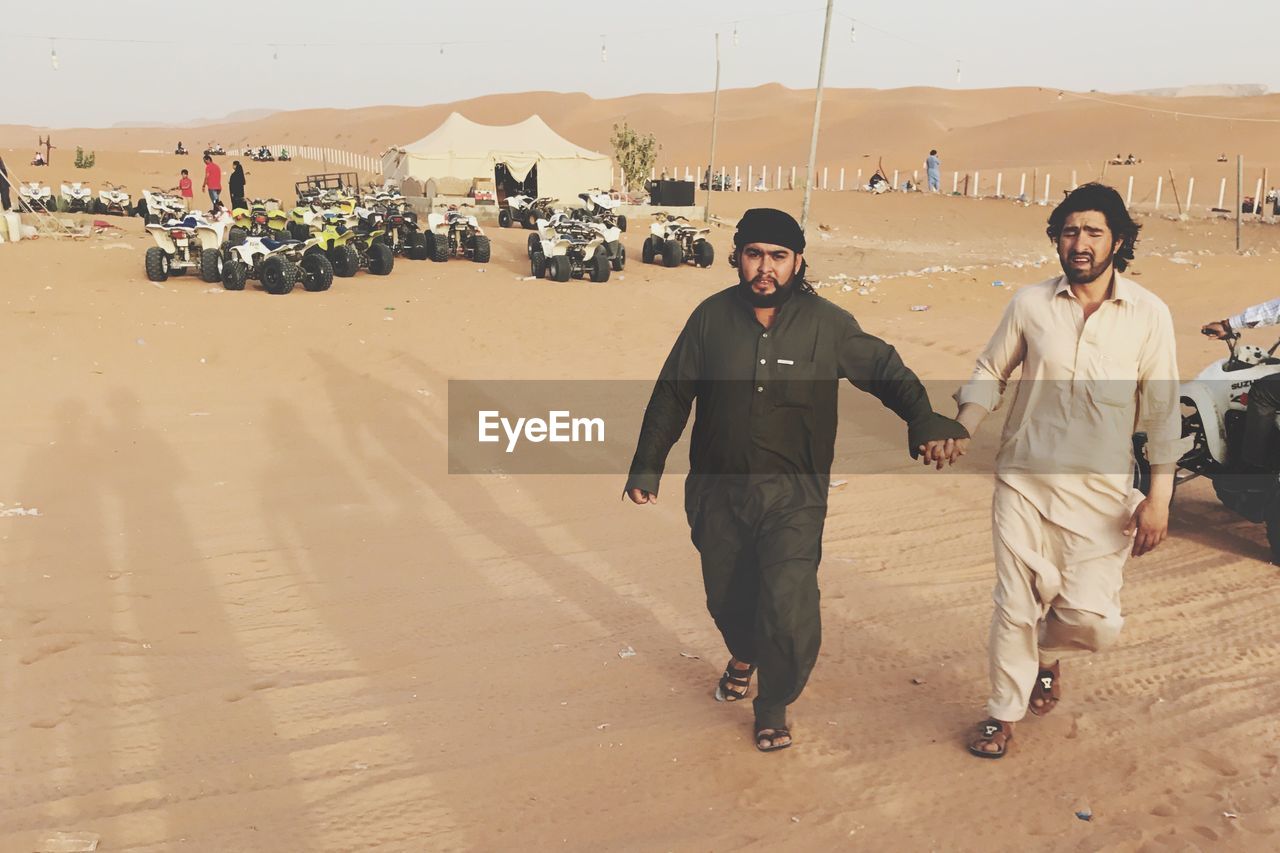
{"points": [[1197, 394]]}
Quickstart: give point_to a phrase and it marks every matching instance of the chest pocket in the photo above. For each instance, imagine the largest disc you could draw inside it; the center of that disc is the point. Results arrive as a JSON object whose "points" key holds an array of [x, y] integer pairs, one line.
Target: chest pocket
{"points": [[795, 383], [1114, 381]]}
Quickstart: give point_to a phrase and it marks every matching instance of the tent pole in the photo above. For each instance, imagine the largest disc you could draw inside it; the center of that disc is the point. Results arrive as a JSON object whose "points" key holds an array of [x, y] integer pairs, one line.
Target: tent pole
{"points": [[817, 120], [715, 117]]}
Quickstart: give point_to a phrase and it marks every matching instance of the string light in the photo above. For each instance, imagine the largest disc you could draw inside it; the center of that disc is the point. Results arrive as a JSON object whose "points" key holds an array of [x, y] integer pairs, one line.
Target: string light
{"points": [[735, 33], [53, 54], [853, 34], [604, 52], [957, 71]]}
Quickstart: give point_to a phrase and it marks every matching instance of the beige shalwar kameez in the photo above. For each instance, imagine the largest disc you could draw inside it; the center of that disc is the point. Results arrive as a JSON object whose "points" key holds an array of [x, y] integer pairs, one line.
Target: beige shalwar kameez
{"points": [[1064, 472]]}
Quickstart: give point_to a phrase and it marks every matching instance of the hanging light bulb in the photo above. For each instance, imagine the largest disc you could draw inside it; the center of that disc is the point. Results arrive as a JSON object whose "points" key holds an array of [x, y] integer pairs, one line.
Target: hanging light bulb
{"points": [[957, 71], [275, 53], [735, 33], [604, 53], [442, 48], [53, 54], [853, 34]]}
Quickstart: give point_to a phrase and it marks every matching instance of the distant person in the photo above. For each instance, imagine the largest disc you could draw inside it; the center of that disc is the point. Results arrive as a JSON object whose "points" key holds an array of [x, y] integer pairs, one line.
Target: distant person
{"points": [[933, 166], [184, 188], [212, 179], [4, 185], [38, 160], [235, 184]]}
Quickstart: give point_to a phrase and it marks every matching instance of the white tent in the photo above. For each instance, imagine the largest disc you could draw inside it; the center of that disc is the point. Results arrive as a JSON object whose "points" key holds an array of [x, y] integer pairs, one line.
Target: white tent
{"points": [[461, 150]]}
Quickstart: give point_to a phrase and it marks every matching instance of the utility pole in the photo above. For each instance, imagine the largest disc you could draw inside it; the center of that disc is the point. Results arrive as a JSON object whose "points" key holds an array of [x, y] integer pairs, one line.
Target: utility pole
{"points": [[817, 120], [1240, 197], [715, 118]]}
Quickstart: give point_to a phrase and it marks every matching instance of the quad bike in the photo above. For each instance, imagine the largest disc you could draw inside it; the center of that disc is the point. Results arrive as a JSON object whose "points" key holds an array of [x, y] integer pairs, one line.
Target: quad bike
{"points": [[76, 198], [368, 242], [181, 150], [158, 206], [284, 155], [113, 200], [215, 150], [403, 235], [677, 241], [262, 218], [1213, 414], [527, 211], [600, 206], [33, 195], [278, 265], [193, 243], [455, 234], [262, 155], [561, 221], [333, 236], [568, 249]]}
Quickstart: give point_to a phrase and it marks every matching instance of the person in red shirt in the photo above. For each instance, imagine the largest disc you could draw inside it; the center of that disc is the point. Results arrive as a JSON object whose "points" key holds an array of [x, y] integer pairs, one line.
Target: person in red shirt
{"points": [[184, 187], [212, 179]]}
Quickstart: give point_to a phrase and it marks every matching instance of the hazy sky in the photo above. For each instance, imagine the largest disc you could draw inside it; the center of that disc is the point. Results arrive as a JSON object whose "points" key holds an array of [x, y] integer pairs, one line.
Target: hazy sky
{"points": [[211, 59]]}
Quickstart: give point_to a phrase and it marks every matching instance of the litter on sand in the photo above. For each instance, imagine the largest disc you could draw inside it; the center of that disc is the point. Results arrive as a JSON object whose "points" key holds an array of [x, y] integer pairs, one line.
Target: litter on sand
{"points": [[68, 842], [627, 652], [919, 307]]}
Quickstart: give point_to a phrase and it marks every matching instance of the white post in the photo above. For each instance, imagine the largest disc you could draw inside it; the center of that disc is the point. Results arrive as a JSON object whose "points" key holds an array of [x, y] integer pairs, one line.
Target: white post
{"points": [[1191, 186], [955, 182], [1257, 199], [722, 179], [1022, 185], [1128, 196], [736, 183], [842, 179], [1046, 190], [793, 177], [859, 179], [751, 185], [653, 172], [824, 177], [999, 183], [975, 184], [777, 183], [1222, 192], [764, 177], [1159, 188], [894, 187], [1073, 179], [915, 177]]}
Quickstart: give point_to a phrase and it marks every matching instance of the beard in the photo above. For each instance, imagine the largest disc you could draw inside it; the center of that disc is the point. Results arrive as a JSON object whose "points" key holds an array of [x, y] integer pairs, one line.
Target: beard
{"points": [[1089, 274], [781, 291]]}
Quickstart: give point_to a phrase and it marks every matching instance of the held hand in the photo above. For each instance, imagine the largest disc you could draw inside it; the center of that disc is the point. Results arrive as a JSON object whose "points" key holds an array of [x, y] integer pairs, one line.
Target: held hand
{"points": [[640, 496], [1149, 526], [1217, 329], [938, 451]]}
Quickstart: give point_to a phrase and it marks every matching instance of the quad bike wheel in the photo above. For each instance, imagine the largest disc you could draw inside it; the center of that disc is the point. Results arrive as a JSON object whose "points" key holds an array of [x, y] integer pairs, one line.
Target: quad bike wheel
{"points": [[559, 268], [672, 253], [234, 275], [211, 266], [298, 231], [481, 251], [649, 250], [157, 264], [618, 260], [236, 236], [704, 254], [381, 259], [279, 276], [531, 220], [438, 244], [317, 272], [622, 223], [344, 260], [537, 264], [504, 218], [418, 248], [599, 268], [535, 245]]}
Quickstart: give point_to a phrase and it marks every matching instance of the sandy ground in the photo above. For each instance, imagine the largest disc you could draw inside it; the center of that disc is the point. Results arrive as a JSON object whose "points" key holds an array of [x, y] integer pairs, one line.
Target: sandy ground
{"points": [[255, 612]]}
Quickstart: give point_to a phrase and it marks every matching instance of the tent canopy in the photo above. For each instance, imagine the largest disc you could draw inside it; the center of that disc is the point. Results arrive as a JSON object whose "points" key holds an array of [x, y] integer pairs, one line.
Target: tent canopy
{"points": [[462, 149]]}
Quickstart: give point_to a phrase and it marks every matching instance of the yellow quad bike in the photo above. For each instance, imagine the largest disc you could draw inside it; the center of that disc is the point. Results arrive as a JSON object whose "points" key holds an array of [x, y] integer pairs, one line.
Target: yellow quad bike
{"points": [[333, 235], [262, 218], [368, 239]]}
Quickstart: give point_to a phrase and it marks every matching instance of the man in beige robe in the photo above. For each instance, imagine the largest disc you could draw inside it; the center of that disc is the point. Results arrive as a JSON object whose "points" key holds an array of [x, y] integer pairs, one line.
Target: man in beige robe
{"points": [[1096, 351]]}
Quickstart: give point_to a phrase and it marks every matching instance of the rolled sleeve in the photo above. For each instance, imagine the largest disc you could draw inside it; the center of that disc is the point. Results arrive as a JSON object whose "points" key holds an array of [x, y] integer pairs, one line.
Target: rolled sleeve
{"points": [[1266, 314], [1003, 353], [1159, 394]]}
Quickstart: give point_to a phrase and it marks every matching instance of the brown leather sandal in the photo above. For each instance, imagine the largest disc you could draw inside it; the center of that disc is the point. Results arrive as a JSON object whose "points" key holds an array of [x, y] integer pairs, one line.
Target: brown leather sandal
{"points": [[1048, 690], [992, 732], [735, 682]]}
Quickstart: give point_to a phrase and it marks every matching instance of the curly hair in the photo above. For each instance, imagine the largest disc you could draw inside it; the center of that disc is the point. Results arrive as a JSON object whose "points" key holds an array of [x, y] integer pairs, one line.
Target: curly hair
{"points": [[1105, 200]]}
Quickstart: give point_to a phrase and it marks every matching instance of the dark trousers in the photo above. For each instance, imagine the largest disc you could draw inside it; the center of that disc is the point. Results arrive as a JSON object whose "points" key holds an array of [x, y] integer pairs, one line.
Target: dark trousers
{"points": [[1260, 423], [4, 196], [760, 570]]}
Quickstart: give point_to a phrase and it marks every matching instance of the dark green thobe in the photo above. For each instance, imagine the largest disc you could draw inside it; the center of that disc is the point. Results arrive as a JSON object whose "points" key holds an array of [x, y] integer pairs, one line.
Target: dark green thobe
{"points": [[760, 464]]}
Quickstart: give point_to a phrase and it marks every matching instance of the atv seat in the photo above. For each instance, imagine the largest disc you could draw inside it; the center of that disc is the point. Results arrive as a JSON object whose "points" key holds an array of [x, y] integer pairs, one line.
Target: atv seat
{"points": [[271, 245]]}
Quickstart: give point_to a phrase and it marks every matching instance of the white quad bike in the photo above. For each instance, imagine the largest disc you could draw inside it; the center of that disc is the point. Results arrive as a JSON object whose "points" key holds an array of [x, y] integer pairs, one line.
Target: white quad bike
{"points": [[455, 234], [159, 206], [76, 197], [278, 264], [597, 204], [1213, 414], [677, 241], [611, 235], [191, 243], [527, 211], [113, 200], [33, 195], [567, 249]]}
